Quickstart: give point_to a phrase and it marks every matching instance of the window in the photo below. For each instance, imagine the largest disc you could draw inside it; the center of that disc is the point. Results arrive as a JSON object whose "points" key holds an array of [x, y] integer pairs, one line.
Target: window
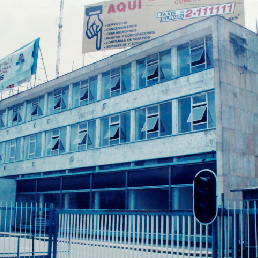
{"points": [[35, 108], [116, 81], [83, 136], [115, 129], [33, 146], [14, 150], [197, 112], [153, 69], [15, 115], [56, 141], [195, 56], [154, 121], [85, 92], [2, 119], [58, 100]]}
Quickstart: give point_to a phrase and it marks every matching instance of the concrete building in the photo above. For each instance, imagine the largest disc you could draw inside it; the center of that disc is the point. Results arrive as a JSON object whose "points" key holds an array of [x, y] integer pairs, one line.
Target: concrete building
{"points": [[132, 130]]}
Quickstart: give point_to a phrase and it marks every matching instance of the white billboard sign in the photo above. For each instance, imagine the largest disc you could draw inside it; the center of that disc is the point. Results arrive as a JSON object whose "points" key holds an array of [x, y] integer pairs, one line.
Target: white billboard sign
{"points": [[120, 24], [18, 67]]}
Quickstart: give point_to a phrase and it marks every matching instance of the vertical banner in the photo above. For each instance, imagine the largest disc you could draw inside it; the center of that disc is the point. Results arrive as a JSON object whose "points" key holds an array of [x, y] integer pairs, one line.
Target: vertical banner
{"points": [[125, 23], [19, 66]]}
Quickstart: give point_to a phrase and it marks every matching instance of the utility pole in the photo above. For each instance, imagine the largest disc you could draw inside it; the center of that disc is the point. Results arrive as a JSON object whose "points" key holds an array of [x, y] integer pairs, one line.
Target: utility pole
{"points": [[60, 25]]}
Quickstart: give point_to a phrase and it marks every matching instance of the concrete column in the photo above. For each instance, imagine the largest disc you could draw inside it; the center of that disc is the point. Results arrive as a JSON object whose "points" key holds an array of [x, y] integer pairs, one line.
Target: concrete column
{"points": [[66, 201], [98, 133], [97, 200], [132, 132], [45, 105], [174, 116], [43, 144], [131, 200], [70, 97], [68, 138], [175, 198], [174, 63], [133, 77], [99, 84]]}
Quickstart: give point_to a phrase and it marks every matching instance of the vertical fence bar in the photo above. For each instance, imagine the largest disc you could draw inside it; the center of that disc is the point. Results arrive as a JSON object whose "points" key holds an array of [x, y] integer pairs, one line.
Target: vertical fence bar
{"points": [[157, 235], [215, 238], [56, 226], [143, 235], [117, 238], [177, 236], [162, 235], [152, 231], [138, 236], [50, 230], [241, 230], [194, 238], [129, 234], [206, 238], [183, 237], [121, 235], [248, 230], [200, 240], [167, 234], [189, 236], [255, 226]]}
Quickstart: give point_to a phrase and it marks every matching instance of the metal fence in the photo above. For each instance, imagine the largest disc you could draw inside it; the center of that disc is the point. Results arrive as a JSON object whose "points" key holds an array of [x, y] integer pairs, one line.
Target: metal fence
{"points": [[24, 230], [131, 234], [37, 231]]}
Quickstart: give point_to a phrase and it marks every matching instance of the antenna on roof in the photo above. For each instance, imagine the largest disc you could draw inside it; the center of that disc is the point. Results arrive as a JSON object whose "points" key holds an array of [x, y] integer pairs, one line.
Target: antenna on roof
{"points": [[60, 25]]}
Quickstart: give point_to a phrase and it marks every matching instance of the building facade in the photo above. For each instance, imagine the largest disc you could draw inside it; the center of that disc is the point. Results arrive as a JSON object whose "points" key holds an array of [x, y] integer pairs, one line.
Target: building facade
{"points": [[131, 131]]}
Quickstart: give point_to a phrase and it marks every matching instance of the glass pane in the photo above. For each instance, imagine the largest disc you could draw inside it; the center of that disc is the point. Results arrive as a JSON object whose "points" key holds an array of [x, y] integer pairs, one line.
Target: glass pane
{"points": [[115, 84], [62, 147], [211, 109], [32, 148], [64, 102], [197, 43], [152, 124], [141, 73], [209, 51], [114, 132], [199, 114], [126, 78], [140, 121], [39, 145], [104, 130], [197, 56], [114, 119], [184, 59], [74, 137], [165, 65], [201, 98], [153, 110], [166, 119], [153, 74], [125, 127], [18, 149], [76, 94], [82, 138], [93, 89], [2, 119], [106, 85], [57, 102], [84, 96], [91, 134], [184, 110], [48, 142], [41, 106]]}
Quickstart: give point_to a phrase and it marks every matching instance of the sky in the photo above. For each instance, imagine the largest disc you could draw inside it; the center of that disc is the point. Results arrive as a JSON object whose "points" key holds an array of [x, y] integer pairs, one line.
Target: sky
{"points": [[22, 21]]}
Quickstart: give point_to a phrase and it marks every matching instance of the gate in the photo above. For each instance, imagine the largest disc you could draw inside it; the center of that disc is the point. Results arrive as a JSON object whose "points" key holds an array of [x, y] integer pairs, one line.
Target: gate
{"points": [[25, 230]]}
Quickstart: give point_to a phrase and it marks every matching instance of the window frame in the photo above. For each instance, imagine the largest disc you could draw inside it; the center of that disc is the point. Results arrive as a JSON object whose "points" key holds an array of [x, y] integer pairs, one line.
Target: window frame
{"points": [[32, 155], [35, 102], [2, 119], [12, 158], [196, 105], [78, 136]]}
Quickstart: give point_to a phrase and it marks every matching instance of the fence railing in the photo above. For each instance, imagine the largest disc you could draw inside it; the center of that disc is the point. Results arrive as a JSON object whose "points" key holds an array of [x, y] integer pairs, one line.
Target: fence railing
{"points": [[131, 234], [24, 230], [28, 230]]}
